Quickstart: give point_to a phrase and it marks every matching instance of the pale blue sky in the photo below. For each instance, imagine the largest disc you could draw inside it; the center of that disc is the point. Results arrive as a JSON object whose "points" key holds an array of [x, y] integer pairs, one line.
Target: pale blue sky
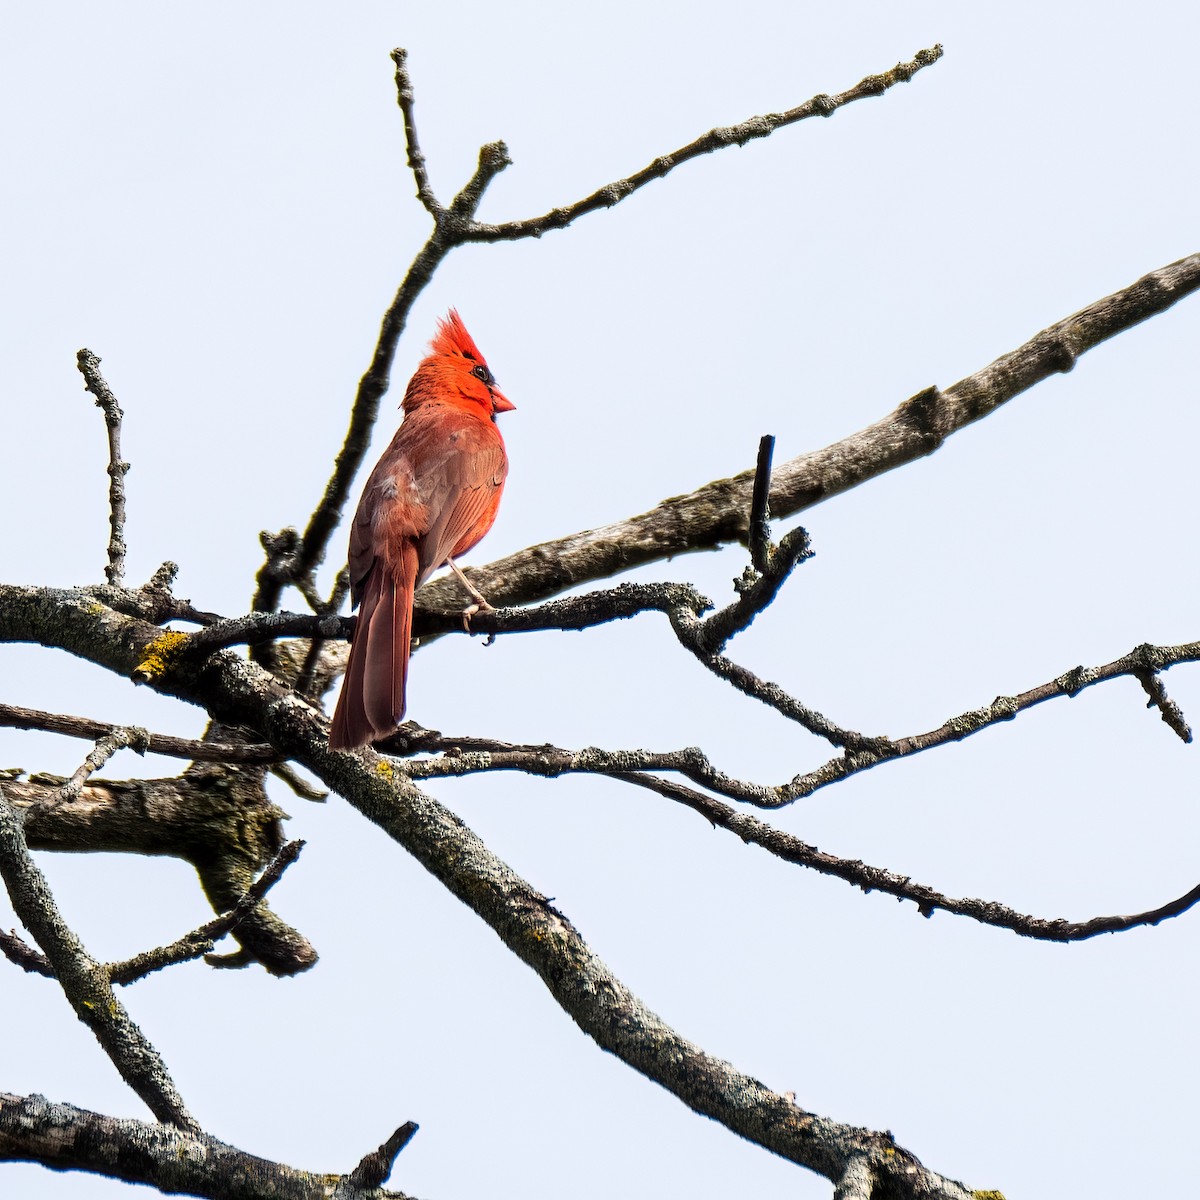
{"points": [[214, 199]]}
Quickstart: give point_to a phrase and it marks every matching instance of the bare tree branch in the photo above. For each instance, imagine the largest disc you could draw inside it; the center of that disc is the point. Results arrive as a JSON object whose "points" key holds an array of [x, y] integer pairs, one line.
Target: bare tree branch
{"points": [[291, 557], [756, 590], [791, 849], [857, 1181], [376, 1166], [863, 752], [716, 514], [93, 381], [760, 506], [200, 941], [15, 717], [715, 139], [105, 747], [214, 817], [83, 980], [1142, 662], [175, 1161], [191, 945], [239, 692], [416, 160], [20, 953], [1170, 712]]}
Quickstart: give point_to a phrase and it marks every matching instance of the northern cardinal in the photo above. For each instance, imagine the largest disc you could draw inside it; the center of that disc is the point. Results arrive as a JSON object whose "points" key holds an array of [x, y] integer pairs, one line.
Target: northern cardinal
{"points": [[431, 497]]}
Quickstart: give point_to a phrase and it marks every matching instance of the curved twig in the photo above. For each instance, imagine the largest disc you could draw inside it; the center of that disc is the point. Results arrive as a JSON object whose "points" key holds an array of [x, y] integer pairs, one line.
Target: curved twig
{"points": [[876, 879]]}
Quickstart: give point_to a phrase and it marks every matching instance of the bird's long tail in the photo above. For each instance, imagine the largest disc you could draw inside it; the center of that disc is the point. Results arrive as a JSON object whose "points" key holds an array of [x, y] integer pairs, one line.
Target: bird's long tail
{"points": [[371, 704]]}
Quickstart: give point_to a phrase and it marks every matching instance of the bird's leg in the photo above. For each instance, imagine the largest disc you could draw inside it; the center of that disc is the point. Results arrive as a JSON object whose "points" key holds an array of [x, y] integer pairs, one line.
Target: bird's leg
{"points": [[480, 605]]}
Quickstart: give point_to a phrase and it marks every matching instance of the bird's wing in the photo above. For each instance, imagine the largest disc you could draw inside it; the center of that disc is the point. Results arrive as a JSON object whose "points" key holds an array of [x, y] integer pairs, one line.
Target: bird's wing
{"points": [[461, 494]]}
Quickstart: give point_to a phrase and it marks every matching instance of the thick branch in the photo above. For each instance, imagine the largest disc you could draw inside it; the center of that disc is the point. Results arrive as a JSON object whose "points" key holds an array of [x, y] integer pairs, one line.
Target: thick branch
{"points": [[32, 1129], [214, 817], [237, 692], [717, 513]]}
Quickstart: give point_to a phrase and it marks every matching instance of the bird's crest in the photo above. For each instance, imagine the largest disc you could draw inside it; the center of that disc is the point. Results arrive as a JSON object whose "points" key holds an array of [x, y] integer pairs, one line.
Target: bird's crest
{"points": [[452, 338]]}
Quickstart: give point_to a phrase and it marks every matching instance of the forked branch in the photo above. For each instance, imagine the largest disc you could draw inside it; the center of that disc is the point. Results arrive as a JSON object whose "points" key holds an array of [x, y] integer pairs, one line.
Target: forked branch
{"points": [[293, 557]]}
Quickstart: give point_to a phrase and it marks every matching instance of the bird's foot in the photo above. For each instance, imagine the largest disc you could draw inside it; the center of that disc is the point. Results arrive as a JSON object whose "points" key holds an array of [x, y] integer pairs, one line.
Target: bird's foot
{"points": [[480, 606]]}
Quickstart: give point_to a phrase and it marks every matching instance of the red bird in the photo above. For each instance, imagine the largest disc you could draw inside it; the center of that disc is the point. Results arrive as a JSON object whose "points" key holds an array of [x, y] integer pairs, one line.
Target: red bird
{"points": [[431, 497]]}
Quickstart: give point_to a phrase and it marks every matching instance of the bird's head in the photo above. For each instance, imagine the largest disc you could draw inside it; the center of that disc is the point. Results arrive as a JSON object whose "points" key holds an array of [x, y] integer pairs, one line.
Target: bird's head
{"points": [[455, 371]]}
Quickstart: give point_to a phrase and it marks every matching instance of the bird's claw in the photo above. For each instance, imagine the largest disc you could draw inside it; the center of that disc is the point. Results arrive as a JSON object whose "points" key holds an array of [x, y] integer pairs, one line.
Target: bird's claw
{"points": [[480, 606]]}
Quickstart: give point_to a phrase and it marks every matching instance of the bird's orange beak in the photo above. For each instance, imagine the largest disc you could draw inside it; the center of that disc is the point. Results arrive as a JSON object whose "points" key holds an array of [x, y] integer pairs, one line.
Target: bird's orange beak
{"points": [[500, 402]]}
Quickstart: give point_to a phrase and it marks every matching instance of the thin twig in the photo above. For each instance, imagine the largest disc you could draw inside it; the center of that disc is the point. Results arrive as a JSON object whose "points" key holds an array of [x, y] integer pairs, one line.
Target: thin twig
{"points": [[13, 717], [116, 739], [1170, 712], [93, 381], [376, 1166], [288, 774], [470, 756], [791, 849], [306, 679], [83, 980], [416, 159], [1140, 662], [756, 591], [693, 635], [715, 139], [760, 506], [23, 955], [201, 941]]}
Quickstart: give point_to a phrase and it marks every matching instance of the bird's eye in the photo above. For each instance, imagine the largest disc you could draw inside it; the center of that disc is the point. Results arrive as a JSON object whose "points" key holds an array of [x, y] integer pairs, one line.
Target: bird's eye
{"points": [[481, 372]]}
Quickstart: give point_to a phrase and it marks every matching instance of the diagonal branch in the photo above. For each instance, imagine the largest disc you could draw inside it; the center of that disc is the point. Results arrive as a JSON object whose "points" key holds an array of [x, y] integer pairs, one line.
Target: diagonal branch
{"points": [[200, 941], [116, 739], [1143, 662], [378, 1164], [240, 693], [715, 139], [84, 981], [716, 514]]}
